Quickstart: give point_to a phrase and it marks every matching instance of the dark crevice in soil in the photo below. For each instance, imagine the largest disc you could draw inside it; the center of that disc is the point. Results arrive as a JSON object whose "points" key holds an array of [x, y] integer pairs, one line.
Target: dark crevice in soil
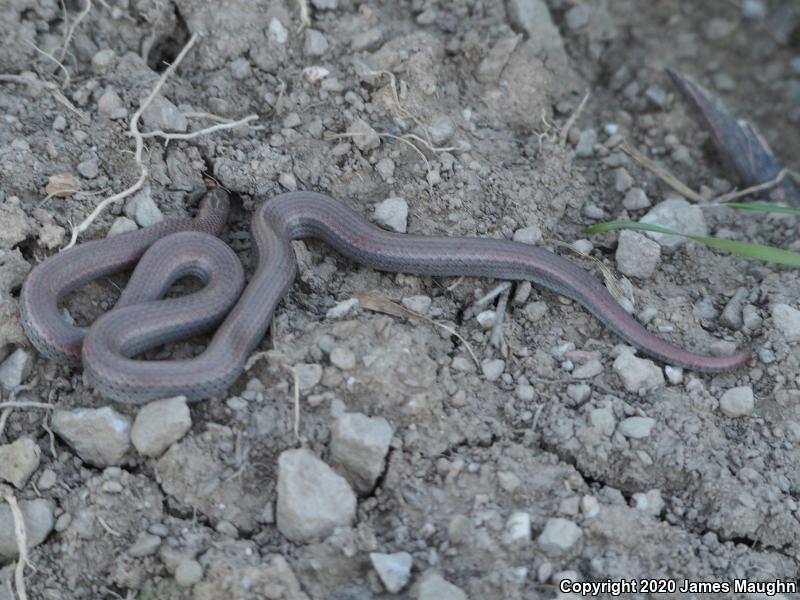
{"points": [[165, 50]]}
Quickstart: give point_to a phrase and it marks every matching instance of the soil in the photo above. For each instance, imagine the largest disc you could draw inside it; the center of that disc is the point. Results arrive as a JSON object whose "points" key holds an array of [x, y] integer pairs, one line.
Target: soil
{"points": [[487, 87]]}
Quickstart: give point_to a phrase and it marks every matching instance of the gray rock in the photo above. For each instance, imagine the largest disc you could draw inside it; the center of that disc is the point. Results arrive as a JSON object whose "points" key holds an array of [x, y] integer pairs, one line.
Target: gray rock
{"points": [[146, 544], [558, 536], [100, 436], [15, 369], [385, 168], [325, 4], [277, 32], [419, 304], [161, 114], [786, 320], [121, 225], [441, 129], [38, 518], [656, 95], [622, 180], [637, 255], [394, 570], [51, 236], [677, 214], [650, 503], [18, 461], [110, 104], [241, 69], [13, 270], [102, 60], [751, 319], [315, 44], [343, 358], [359, 445], [636, 199], [160, 424], [364, 136], [312, 499], [369, 39], [188, 573], [492, 368], [586, 142], [528, 235], [637, 374], [435, 587], [141, 208], [308, 375], [732, 314], [90, 168], [590, 369], [603, 420], [16, 225], [737, 402], [579, 392], [754, 9], [392, 213], [636, 427]]}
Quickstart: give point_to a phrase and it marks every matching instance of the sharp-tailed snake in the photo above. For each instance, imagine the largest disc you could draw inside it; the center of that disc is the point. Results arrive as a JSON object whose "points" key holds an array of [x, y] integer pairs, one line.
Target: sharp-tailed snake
{"points": [[142, 319]]}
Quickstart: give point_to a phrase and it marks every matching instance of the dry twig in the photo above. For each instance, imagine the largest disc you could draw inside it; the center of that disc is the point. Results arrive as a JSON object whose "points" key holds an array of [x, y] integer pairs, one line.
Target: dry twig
{"points": [[562, 136], [22, 546]]}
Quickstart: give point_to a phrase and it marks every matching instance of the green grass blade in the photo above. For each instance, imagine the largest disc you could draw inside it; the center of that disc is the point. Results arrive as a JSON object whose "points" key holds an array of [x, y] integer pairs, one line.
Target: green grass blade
{"points": [[764, 207], [746, 249]]}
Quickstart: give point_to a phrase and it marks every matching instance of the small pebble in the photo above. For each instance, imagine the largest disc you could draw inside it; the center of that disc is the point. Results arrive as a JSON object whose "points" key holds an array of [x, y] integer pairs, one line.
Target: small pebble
{"points": [[188, 573], [518, 528], [385, 168], [394, 570], [364, 136], [141, 208], [558, 536], [622, 180], [392, 213], [343, 358], [785, 318], [586, 143], [492, 368], [677, 214], [15, 369], [528, 235], [435, 587], [637, 374], [121, 225], [160, 424], [100, 436], [636, 427], [18, 461], [637, 255], [145, 544], [636, 199], [419, 304], [737, 402]]}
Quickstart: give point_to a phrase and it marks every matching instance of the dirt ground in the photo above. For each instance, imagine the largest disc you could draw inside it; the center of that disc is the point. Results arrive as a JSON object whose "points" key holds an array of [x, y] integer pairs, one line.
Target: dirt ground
{"points": [[538, 465]]}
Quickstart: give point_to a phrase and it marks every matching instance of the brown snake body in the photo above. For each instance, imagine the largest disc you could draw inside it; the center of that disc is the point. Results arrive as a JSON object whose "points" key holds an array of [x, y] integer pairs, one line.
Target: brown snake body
{"points": [[142, 319]]}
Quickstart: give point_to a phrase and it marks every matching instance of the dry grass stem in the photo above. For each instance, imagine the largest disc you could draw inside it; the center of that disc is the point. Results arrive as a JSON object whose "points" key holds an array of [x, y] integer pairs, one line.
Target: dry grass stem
{"points": [[22, 546], [562, 136], [377, 303]]}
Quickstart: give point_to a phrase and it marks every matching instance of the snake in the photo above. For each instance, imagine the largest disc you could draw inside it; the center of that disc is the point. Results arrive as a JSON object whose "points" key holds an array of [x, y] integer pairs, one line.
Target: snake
{"points": [[239, 313]]}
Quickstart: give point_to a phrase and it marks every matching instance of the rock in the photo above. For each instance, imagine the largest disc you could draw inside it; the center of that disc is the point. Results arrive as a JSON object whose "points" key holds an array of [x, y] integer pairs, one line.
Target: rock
{"points": [[650, 503], [677, 214], [637, 374], [16, 225], [141, 208], [394, 570], [100, 436], [786, 320], [754, 9], [15, 369], [674, 374], [558, 536], [343, 358], [737, 402], [492, 368], [325, 4], [359, 445], [312, 499], [13, 270], [435, 587], [518, 528], [121, 225], [38, 518], [528, 235], [622, 180], [579, 392], [342, 308], [441, 129], [160, 424], [316, 44], [751, 319], [90, 168], [110, 104], [392, 213], [146, 544], [11, 333], [277, 32], [586, 142], [51, 236], [369, 39], [636, 427], [636, 199], [385, 168], [308, 375], [18, 461], [241, 69], [419, 304], [637, 255], [364, 136], [163, 115], [102, 60], [657, 96], [593, 368], [603, 420], [732, 316], [188, 573]]}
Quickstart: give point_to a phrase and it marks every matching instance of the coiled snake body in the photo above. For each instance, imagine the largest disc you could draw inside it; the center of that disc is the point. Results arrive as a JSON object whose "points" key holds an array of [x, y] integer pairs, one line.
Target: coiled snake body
{"points": [[171, 249]]}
